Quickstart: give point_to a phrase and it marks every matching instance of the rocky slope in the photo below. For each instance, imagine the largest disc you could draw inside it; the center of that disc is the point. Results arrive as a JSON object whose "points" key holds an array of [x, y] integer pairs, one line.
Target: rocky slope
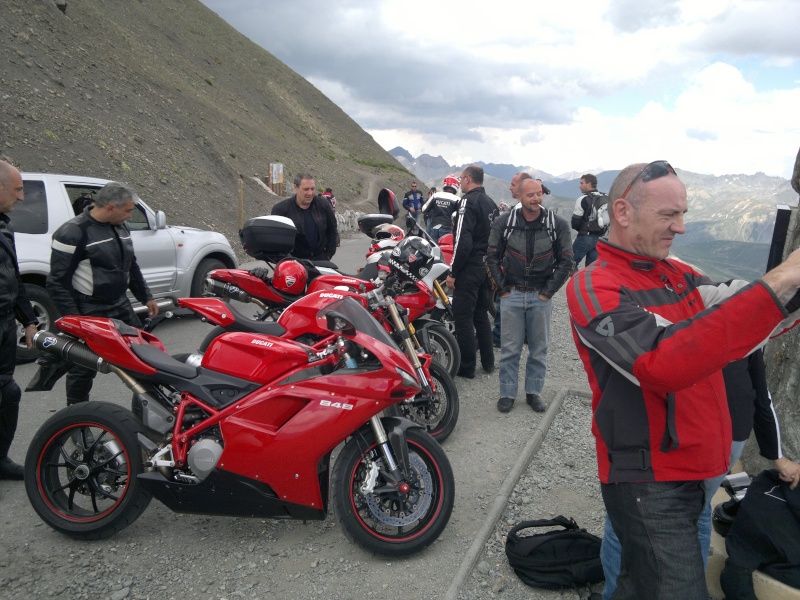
{"points": [[171, 99]]}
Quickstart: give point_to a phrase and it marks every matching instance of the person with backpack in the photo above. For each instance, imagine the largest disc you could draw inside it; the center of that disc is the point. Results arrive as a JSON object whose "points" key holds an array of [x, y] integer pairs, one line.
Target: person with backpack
{"points": [[503, 208], [587, 220], [529, 259]]}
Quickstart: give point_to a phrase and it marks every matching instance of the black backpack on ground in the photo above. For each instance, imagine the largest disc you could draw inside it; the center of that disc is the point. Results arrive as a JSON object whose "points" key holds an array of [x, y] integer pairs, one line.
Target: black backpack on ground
{"points": [[555, 559]]}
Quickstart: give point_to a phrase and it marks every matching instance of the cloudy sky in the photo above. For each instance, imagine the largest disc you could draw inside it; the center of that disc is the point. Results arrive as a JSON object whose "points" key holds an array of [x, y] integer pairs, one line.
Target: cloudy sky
{"points": [[713, 86]]}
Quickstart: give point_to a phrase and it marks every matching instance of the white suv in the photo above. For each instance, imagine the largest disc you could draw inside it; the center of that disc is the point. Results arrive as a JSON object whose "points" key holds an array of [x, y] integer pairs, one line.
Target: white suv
{"points": [[174, 260]]}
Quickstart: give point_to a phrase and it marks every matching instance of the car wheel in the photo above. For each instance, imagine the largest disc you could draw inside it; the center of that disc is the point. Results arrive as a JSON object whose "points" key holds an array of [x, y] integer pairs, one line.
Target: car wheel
{"points": [[46, 314], [203, 269]]}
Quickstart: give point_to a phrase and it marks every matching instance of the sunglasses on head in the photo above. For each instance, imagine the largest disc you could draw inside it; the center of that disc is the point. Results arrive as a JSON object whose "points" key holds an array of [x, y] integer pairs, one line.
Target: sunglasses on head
{"points": [[654, 170]]}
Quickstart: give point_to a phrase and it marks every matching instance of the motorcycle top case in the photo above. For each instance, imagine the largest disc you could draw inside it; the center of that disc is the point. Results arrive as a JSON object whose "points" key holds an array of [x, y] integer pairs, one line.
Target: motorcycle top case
{"points": [[268, 236], [369, 222]]}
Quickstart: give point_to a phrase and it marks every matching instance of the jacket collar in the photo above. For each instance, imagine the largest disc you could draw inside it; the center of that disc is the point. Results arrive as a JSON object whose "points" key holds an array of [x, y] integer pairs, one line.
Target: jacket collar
{"points": [[616, 254]]}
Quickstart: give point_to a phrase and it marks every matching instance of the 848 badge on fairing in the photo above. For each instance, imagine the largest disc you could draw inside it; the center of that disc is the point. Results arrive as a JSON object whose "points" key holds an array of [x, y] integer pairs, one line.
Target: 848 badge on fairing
{"points": [[342, 405]]}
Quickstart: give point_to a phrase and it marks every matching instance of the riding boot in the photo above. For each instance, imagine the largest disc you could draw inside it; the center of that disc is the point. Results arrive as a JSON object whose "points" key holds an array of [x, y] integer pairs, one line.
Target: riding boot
{"points": [[51, 369]]}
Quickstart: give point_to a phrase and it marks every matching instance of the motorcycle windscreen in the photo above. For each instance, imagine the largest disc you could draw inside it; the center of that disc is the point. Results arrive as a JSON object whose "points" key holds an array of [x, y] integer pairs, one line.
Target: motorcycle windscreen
{"points": [[359, 318]]}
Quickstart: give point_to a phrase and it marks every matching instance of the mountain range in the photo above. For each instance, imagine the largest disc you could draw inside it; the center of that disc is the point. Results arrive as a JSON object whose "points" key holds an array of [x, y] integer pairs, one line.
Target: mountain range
{"points": [[729, 222]]}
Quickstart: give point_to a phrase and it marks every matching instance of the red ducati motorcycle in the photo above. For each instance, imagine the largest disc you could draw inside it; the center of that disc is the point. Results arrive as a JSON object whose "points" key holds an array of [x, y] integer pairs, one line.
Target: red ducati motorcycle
{"points": [[417, 290], [247, 432]]}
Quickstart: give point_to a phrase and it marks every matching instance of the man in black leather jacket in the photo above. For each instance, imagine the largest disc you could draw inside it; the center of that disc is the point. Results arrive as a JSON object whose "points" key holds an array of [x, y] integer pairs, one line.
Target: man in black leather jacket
{"points": [[530, 258], [14, 306], [92, 265], [468, 278], [314, 218]]}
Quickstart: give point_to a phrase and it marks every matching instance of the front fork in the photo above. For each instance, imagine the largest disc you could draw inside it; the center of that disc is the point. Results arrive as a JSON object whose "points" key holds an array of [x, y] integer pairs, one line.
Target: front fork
{"points": [[411, 352], [389, 449], [439, 292]]}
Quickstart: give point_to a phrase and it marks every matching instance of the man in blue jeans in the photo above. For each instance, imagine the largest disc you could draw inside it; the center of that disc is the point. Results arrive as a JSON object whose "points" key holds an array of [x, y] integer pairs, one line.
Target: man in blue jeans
{"points": [[527, 267], [585, 220], [412, 202], [501, 209], [751, 409], [648, 330]]}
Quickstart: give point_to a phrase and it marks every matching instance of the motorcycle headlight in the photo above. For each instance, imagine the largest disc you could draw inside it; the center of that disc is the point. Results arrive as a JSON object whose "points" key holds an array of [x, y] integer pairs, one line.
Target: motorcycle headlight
{"points": [[408, 379]]}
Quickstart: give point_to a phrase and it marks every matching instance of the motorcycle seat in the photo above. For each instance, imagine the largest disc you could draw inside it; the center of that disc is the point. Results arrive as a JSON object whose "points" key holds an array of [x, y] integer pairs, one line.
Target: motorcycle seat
{"points": [[247, 325], [368, 273], [162, 361]]}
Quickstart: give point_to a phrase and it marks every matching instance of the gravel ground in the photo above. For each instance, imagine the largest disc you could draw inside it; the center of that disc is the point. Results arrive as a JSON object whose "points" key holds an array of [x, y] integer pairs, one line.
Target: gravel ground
{"points": [[166, 555], [560, 480]]}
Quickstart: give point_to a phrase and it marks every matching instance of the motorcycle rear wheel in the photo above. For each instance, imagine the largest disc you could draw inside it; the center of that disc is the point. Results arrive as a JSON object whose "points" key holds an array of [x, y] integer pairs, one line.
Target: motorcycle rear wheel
{"points": [[81, 470], [443, 347], [388, 522]]}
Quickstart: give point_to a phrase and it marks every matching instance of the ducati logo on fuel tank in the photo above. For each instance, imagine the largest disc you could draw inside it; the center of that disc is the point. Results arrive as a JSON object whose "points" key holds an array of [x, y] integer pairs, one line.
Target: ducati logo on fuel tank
{"points": [[258, 342], [331, 295]]}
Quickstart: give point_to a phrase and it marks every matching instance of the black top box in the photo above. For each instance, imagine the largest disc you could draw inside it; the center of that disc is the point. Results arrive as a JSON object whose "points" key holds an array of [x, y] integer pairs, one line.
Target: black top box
{"points": [[369, 222], [268, 237]]}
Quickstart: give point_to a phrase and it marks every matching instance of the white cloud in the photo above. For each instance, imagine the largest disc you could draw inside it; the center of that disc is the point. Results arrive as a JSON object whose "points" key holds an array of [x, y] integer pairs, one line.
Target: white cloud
{"points": [[560, 86]]}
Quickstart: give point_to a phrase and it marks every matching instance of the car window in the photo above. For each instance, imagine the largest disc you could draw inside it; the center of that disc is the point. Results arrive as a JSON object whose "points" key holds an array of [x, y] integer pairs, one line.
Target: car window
{"points": [[81, 196], [30, 215], [138, 222]]}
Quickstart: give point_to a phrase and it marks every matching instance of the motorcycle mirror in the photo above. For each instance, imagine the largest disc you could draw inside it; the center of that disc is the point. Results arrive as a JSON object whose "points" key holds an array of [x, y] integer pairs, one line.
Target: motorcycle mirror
{"points": [[336, 322]]}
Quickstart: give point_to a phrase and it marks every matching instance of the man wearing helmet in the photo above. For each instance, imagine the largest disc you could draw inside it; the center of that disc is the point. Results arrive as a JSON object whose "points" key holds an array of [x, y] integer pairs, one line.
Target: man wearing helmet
{"points": [[439, 208], [314, 218], [471, 298]]}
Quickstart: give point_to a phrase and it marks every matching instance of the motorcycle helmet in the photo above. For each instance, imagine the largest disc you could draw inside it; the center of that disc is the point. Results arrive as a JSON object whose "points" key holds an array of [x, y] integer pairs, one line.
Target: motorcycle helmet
{"points": [[411, 259], [451, 181], [290, 277], [723, 516], [388, 232]]}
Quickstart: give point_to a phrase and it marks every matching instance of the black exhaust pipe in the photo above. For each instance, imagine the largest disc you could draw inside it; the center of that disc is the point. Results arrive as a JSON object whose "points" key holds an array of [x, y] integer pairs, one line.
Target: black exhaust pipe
{"points": [[70, 349], [227, 290]]}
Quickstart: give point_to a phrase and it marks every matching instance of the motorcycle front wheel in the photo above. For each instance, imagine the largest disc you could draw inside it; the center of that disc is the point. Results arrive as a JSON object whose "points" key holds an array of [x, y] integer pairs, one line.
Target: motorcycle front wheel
{"points": [[443, 347], [81, 469], [377, 516], [438, 414]]}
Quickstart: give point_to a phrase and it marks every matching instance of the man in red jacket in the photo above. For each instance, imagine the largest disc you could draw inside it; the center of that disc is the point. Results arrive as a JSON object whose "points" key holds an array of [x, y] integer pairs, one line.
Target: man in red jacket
{"points": [[653, 335]]}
